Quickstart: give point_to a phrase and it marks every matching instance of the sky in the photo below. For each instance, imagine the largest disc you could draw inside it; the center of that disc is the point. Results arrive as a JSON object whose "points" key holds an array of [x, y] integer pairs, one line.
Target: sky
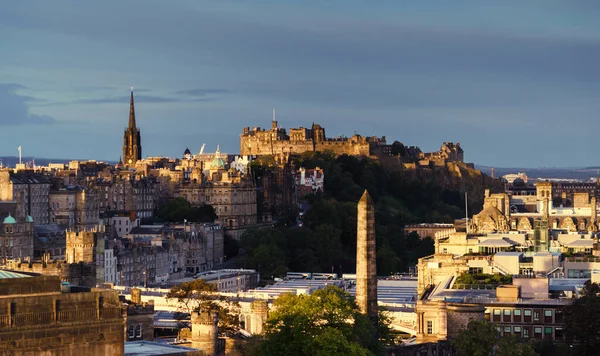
{"points": [[517, 83]]}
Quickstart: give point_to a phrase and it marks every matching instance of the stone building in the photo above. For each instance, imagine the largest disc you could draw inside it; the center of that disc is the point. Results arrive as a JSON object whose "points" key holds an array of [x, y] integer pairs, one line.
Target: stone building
{"points": [[309, 181], [35, 188], [132, 141], [126, 192], [75, 207], [39, 317], [231, 193], [257, 141], [524, 210], [16, 231], [139, 324]]}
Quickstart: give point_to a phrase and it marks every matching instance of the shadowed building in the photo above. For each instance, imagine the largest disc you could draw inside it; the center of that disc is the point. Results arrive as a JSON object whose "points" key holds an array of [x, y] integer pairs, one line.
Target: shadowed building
{"points": [[132, 142], [366, 259], [38, 316]]}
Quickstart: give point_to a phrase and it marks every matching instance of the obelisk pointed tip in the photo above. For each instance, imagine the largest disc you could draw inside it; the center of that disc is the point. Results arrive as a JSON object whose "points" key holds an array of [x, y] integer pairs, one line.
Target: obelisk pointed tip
{"points": [[366, 197]]}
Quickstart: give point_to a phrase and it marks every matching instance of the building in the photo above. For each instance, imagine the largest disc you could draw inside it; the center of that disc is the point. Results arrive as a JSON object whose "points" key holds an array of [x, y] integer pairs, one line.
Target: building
{"points": [[16, 230], [74, 206], [257, 141], [132, 141], [309, 181], [35, 188], [41, 316]]}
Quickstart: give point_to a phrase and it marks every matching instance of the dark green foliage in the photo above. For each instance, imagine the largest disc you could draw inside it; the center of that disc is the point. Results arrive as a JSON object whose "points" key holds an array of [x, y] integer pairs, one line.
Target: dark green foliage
{"points": [[328, 322], [482, 339], [179, 209], [328, 239], [482, 278], [582, 320]]}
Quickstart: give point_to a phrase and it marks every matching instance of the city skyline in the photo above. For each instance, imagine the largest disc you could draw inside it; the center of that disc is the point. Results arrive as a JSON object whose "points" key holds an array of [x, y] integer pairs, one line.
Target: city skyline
{"points": [[516, 84]]}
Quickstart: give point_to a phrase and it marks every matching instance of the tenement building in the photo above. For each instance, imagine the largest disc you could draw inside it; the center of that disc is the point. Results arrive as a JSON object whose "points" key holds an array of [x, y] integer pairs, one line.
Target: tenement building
{"points": [[35, 188], [39, 316]]}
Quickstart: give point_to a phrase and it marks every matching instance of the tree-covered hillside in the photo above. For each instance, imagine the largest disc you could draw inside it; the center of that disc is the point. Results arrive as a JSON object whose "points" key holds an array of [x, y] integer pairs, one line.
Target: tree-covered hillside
{"points": [[327, 240]]}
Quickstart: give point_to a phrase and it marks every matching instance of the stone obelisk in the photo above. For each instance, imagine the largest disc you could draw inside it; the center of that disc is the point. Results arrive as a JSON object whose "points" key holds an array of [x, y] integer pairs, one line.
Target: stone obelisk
{"points": [[366, 259]]}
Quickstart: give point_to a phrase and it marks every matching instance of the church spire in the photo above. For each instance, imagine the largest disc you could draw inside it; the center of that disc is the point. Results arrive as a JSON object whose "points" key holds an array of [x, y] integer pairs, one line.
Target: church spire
{"points": [[131, 111]]}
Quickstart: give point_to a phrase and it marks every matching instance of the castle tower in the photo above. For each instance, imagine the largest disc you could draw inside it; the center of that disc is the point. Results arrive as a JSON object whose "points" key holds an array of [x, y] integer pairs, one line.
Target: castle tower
{"points": [[205, 331], [132, 142], [366, 259], [80, 246]]}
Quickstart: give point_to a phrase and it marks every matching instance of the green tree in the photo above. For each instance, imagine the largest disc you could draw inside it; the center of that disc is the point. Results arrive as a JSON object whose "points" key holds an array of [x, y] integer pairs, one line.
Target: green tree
{"points": [[179, 209], [482, 339], [328, 322], [198, 295], [582, 319]]}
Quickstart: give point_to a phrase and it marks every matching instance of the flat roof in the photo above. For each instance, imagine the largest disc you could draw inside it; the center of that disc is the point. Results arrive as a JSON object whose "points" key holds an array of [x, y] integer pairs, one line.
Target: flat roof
{"points": [[11, 274], [149, 348]]}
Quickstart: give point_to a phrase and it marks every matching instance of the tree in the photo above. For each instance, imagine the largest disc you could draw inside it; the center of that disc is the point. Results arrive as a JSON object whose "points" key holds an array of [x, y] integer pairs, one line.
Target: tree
{"points": [[192, 295], [327, 322], [179, 209], [198, 295], [582, 319], [482, 339]]}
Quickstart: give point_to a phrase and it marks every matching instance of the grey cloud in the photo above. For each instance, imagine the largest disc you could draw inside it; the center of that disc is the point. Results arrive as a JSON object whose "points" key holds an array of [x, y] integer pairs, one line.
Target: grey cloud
{"points": [[202, 91], [15, 110]]}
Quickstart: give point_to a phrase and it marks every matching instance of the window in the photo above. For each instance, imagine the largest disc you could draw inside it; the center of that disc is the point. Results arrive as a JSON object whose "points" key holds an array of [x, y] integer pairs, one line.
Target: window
{"points": [[547, 316], [138, 331], [430, 327], [517, 330], [527, 315], [536, 316], [507, 330], [537, 331], [506, 315], [558, 333], [131, 333], [526, 332], [517, 315]]}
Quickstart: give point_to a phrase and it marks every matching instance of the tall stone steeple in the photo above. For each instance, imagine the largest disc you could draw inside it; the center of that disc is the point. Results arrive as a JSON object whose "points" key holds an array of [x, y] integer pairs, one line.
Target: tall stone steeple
{"points": [[132, 142], [366, 259]]}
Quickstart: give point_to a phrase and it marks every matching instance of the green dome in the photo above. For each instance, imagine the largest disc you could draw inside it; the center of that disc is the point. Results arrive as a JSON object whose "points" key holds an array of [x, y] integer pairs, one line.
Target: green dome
{"points": [[29, 218], [217, 163], [9, 220]]}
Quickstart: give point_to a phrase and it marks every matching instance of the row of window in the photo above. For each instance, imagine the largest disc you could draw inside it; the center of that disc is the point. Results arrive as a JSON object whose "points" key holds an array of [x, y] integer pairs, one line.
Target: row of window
{"points": [[537, 332], [527, 315]]}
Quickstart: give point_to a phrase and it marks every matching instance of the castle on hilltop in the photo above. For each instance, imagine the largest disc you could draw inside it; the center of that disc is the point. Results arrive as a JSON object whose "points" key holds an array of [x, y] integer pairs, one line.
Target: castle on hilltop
{"points": [[277, 141], [257, 141]]}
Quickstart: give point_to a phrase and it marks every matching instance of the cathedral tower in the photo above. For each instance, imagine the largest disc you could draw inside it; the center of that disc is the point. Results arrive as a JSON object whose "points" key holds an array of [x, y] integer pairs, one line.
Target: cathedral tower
{"points": [[132, 143], [366, 259]]}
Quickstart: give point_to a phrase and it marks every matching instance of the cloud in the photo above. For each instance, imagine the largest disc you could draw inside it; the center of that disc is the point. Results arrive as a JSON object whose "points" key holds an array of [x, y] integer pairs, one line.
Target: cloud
{"points": [[15, 110], [202, 91], [147, 99]]}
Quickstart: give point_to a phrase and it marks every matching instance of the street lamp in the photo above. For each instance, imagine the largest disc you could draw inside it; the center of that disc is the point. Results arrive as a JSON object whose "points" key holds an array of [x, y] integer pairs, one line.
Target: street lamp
{"points": [[145, 280]]}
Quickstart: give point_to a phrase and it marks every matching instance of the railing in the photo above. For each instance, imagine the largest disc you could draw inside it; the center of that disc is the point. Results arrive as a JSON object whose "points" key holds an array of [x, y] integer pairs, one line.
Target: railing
{"points": [[45, 318], [77, 314], [583, 259], [476, 286], [110, 313], [32, 318]]}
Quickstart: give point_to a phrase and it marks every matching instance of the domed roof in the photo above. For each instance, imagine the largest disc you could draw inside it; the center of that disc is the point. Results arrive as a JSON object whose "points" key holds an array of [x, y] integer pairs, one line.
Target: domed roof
{"points": [[217, 163], [29, 218], [9, 220]]}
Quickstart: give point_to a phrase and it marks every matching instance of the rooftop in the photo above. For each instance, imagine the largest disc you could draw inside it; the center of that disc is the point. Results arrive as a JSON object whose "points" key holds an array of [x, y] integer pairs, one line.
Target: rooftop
{"points": [[148, 348], [11, 274]]}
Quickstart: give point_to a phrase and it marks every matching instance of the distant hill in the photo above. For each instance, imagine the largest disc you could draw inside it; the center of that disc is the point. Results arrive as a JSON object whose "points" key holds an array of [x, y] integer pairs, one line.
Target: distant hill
{"points": [[11, 161], [579, 173]]}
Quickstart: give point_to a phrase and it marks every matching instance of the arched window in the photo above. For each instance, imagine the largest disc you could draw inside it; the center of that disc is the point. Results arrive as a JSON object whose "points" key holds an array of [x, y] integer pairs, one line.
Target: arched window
{"points": [[138, 331]]}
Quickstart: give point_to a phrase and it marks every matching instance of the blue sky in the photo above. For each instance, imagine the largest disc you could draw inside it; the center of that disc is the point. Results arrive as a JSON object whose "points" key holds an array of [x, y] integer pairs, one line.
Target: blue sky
{"points": [[516, 82]]}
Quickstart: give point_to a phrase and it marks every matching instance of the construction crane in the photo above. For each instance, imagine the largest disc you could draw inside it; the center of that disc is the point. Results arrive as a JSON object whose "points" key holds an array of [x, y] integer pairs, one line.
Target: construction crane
{"points": [[202, 149]]}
